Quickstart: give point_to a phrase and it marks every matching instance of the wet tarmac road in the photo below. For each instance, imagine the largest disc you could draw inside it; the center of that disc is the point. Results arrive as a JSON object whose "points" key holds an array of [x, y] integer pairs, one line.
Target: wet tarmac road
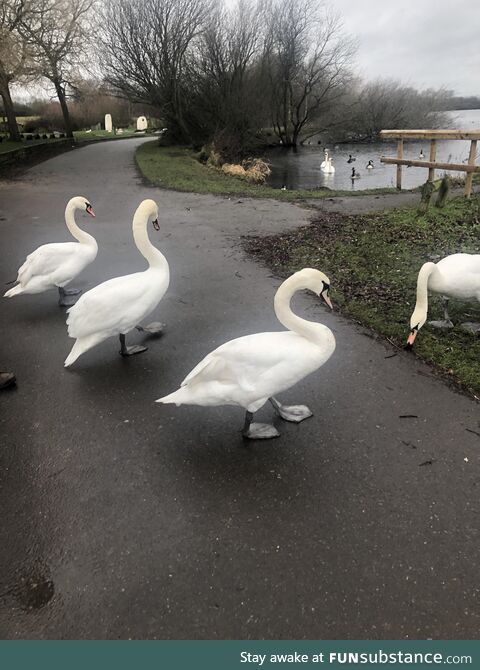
{"points": [[126, 519]]}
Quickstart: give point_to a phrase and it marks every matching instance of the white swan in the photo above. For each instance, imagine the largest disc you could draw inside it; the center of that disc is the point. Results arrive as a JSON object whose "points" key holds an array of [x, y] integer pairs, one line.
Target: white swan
{"points": [[328, 168], [324, 163], [55, 265], [119, 304], [455, 276], [249, 370]]}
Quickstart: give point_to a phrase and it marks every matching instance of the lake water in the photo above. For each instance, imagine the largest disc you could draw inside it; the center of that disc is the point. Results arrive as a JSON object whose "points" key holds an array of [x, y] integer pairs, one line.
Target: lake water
{"points": [[300, 167]]}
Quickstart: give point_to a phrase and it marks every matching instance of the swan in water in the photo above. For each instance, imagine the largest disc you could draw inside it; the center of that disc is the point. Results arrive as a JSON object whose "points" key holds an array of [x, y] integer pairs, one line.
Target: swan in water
{"points": [[328, 168], [55, 265], [324, 163], [250, 370], [119, 304], [455, 276]]}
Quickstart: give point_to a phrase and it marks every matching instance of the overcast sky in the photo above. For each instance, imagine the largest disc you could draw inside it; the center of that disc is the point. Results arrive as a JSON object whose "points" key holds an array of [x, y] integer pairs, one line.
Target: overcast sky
{"points": [[428, 43]]}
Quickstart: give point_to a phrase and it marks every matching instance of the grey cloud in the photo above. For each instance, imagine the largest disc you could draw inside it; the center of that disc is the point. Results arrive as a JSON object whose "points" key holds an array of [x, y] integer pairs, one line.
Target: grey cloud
{"points": [[427, 43]]}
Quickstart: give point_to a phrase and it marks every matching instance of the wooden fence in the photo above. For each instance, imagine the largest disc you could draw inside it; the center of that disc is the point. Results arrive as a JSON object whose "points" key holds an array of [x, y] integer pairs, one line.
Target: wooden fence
{"points": [[433, 135]]}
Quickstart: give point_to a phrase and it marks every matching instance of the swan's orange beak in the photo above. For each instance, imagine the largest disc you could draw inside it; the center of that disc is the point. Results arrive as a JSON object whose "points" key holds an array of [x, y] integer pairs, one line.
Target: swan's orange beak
{"points": [[326, 297], [411, 339], [90, 211]]}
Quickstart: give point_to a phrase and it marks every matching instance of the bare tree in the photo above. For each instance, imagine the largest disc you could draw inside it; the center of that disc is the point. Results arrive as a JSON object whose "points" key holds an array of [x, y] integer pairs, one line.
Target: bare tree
{"points": [[147, 53], [14, 57], [308, 59], [58, 33], [230, 95], [390, 104]]}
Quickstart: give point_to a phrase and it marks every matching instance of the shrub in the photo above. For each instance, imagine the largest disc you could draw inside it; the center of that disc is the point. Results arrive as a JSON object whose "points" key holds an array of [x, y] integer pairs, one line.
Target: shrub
{"points": [[254, 170], [31, 126]]}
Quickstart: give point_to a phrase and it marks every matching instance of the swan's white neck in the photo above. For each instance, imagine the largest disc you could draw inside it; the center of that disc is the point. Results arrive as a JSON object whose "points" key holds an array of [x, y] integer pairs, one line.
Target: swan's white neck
{"points": [[154, 257], [421, 306], [78, 233], [311, 331]]}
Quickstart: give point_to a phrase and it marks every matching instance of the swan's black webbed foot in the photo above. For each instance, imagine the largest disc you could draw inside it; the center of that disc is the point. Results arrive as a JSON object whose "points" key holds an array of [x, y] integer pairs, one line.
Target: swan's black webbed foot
{"points": [[446, 322], [130, 351], [293, 413], [155, 328], [258, 431], [7, 379], [443, 325], [471, 327], [67, 296]]}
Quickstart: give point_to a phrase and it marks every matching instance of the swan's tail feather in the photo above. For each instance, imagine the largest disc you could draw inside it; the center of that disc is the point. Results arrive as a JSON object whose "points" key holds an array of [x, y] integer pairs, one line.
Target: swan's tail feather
{"points": [[180, 397], [81, 345], [16, 290]]}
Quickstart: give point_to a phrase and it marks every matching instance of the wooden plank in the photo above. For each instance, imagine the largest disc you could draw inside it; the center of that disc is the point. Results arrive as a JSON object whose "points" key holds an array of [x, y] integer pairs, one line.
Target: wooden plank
{"points": [[456, 134], [455, 167], [471, 161], [433, 155], [399, 167]]}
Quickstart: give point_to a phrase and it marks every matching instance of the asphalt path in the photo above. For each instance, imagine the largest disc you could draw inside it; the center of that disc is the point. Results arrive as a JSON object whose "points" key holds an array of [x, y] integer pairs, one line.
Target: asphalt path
{"points": [[122, 518]]}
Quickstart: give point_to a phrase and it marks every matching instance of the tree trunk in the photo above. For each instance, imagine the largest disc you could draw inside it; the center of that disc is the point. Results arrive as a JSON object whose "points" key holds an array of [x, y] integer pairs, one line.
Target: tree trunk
{"points": [[63, 104], [9, 112]]}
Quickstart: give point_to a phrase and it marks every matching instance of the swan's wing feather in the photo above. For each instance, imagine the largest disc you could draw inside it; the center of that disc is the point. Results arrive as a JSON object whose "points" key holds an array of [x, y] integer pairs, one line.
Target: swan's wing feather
{"points": [[115, 305], [46, 259], [244, 359]]}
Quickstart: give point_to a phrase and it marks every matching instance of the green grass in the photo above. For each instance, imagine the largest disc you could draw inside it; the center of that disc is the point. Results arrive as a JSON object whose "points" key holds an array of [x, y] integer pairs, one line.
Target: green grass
{"points": [[80, 136], [177, 168], [373, 261], [102, 135], [8, 145]]}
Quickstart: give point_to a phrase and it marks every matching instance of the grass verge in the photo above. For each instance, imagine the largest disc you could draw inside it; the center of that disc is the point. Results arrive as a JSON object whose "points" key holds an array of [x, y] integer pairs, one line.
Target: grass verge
{"points": [[373, 261], [80, 136], [177, 168]]}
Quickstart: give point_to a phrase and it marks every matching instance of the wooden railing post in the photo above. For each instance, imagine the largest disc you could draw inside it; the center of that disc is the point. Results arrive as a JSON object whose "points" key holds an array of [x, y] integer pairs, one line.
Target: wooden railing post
{"points": [[471, 161], [432, 164], [433, 155], [399, 167]]}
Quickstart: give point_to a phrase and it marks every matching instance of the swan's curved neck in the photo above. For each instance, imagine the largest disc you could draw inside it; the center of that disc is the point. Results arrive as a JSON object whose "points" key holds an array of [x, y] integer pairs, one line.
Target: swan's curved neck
{"points": [[78, 233], [154, 257], [308, 329], [422, 287]]}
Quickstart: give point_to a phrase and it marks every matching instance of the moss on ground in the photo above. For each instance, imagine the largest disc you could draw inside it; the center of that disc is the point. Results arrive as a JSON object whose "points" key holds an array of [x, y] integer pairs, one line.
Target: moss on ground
{"points": [[177, 168], [373, 261]]}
